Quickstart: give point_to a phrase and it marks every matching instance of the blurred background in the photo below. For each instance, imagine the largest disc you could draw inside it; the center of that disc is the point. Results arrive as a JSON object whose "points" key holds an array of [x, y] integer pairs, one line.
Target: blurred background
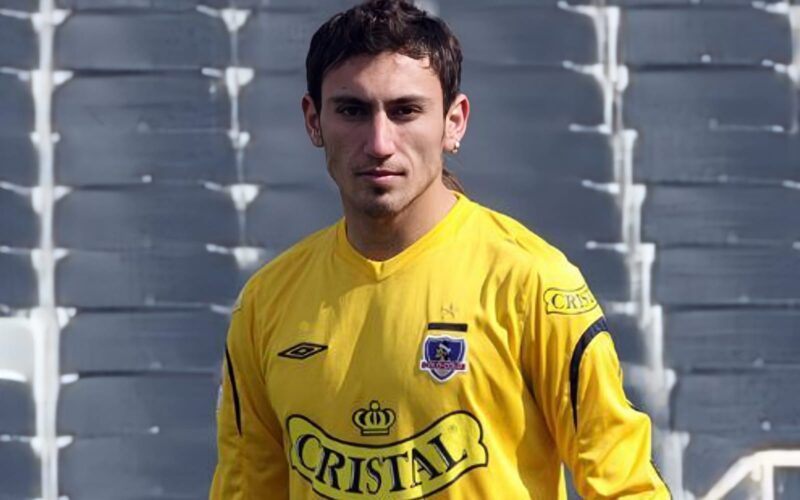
{"points": [[152, 156]]}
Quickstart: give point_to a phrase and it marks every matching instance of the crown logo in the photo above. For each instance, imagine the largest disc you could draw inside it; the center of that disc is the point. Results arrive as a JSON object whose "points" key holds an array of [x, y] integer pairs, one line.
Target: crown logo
{"points": [[374, 422]]}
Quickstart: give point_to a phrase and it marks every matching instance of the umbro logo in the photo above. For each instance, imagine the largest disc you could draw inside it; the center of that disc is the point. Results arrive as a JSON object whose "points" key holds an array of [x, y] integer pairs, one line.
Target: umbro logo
{"points": [[303, 350]]}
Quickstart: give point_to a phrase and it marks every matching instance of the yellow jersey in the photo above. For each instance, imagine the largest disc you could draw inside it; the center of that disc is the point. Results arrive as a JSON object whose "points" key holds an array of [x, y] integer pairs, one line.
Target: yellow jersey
{"points": [[469, 366]]}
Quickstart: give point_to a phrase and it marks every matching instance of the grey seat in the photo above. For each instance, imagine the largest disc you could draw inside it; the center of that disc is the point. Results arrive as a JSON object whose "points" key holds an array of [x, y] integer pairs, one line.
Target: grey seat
{"points": [[731, 339], [20, 5], [105, 405], [18, 288], [680, 36], [146, 42], [548, 98], [19, 224], [681, 155], [20, 161], [717, 214], [559, 211], [17, 413], [145, 217], [146, 279], [18, 43], [604, 269], [16, 106], [505, 146], [279, 151], [505, 3], [97, 159], [168, 5], [735, 275], [21, 477], [308, 207], [177, 341], [159, 467], [687, 3], [702, 99], [278, 39], [141, 103], [708, 456], [747, 402], [522, 34], [628, 338]]}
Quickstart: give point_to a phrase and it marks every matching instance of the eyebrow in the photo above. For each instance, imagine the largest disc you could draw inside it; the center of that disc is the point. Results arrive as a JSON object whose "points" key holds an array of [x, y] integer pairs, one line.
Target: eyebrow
{"points": [[406, 99]]}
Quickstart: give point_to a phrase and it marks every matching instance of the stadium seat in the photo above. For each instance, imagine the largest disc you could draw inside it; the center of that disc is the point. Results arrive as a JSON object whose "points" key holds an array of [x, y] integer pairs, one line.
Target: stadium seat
{"points": [[17, 413], [706, 99], [743, 401], [16, 106], [105, 405], [674, 215], [522, 34], [170, 5], [731, 339], [279, 151], [136, 467], [18, 43], [145, 217], [170, 341], [19, 159], [308, 207], [714, 36], [327, 6], [146, 42], [504, 145], [505, 3], [733, 275], [125, 103], [19, 224], [548, 98], [559, 211], [18, 288], [681, 155], [97, 159], [709, 456], [146, 279], [286, 32], [21, 478], [628, 338], [604, 269]]}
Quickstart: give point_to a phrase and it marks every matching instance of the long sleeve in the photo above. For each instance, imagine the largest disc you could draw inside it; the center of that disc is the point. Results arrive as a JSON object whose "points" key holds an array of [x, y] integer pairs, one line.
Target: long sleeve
{"points": [[251, 460], [577, 382]]}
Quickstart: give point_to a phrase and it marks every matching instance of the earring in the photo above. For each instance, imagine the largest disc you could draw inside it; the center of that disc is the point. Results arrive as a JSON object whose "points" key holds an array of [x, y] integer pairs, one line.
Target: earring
{"points": [[457, 145]]}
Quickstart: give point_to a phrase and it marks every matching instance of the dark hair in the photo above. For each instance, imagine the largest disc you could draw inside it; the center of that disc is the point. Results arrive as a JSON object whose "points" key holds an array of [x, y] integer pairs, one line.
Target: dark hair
{"points": [[378, 26]]}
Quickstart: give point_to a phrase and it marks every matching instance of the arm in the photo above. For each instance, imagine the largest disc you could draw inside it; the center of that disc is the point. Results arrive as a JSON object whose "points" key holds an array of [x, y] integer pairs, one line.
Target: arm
{"points": [[251, 459], [577, 380]]}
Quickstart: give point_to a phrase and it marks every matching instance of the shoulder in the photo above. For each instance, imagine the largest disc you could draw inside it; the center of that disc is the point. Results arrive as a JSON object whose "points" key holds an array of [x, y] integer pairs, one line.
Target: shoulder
{"points": [[514, 241], [274, 276]]}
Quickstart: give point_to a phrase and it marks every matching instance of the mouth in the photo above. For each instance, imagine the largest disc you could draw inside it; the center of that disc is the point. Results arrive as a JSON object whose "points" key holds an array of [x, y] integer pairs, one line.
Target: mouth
{"points": [[378, 173]]}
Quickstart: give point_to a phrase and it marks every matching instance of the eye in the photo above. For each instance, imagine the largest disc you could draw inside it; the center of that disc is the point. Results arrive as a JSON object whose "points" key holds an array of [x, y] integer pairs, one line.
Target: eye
{"points": [[406, 112], [350, 111]]}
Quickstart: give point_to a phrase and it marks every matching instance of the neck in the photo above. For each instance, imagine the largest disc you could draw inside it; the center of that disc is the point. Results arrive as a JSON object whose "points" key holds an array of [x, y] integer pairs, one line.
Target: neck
{"points": [[381, 238]]}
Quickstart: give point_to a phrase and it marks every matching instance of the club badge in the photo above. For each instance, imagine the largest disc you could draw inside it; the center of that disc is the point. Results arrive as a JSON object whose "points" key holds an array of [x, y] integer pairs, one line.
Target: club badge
{"points": [[443, 357]]}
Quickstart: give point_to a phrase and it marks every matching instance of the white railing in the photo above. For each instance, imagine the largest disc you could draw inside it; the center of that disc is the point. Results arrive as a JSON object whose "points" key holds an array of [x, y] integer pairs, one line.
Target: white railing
{"points": [[760, 467]]}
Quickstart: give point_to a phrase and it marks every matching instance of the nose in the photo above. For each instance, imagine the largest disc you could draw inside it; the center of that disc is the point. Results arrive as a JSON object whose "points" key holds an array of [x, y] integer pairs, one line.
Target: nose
{"points": [[380, 142]]}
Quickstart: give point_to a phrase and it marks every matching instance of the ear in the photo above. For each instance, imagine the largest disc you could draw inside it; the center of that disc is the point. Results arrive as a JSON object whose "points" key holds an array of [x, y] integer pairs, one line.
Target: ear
{"points": [[312, 121], [455, 123]]}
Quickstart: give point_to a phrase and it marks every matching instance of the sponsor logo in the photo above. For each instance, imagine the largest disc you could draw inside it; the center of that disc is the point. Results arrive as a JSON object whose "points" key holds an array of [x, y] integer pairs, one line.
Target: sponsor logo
{"points": [[303, 350], [575, 301], [413, 468], [374, 422], [443, 357]]}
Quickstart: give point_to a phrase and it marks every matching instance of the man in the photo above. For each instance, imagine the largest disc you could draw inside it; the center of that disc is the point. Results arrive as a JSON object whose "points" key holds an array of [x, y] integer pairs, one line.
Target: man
{"points": [[423, 346]]}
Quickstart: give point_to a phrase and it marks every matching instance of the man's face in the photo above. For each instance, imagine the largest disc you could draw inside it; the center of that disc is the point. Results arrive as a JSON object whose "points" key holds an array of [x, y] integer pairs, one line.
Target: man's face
{"points": [[383, 128]]}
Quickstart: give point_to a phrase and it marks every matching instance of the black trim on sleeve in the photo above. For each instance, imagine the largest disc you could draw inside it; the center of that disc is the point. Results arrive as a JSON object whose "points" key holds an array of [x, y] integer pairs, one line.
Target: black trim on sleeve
{"points": [[450, 327], [235, 391], [575, 363]]}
